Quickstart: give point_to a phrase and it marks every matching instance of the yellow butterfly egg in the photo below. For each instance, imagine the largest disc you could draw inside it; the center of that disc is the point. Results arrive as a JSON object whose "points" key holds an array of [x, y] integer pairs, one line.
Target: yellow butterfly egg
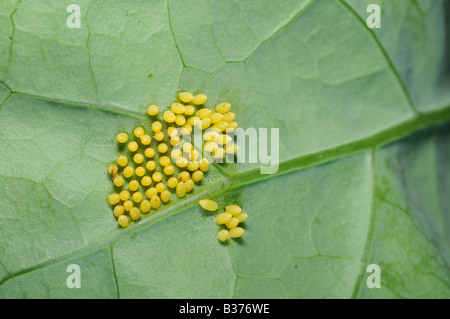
{"points": [[223, 107], [185, 97], [204, 165], [163, 148], [210, 147], [231, 148], [232, 126], [180, 120], [236, 232], [208, 204], [174, 140], [189, 109], [176, 154], [138, 131], [233, 210], [122, 160], [146, 181], [160, 187], [139, 171], [169, 170], [192, 120], [181, 162], [222, 126], [165, 196], [157, 176], [169, 116], [187, 147], [181, 189], [138, 158], [223, 235], [133, 146], [186, 129], [164, 160], [197, 176], [128, 205], [223, 218], [123, 221], [118, 210], [219, 153], [194, 156], [156, 126], [177, 108], [183, 176], [155, 202], [124, 195], [151, 165], [203, 113], [113, 199], [229, 117], [204, 123], [199, 99], [122, 138], [135, 214], [171, 130], [193, 166], [189, 185], [128, 171], [172, 182], [113, 169], [152, 110], [146, 139], [133, 185], [210, 135], [137, 197], [145, 206], [242, 217], [233, 222], [118, 181], [159, 136], [216, 117], [149, 193], [149, 152]]}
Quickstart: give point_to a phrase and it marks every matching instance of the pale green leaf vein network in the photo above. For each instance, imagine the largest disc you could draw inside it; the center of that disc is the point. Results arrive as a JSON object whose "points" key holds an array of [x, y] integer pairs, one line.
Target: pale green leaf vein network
{"points": [[385, 54]]}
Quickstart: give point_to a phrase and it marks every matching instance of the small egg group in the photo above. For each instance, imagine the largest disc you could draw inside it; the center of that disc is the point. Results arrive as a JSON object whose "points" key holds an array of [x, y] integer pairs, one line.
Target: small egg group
{"points": [[230, 218], [157, 162]]}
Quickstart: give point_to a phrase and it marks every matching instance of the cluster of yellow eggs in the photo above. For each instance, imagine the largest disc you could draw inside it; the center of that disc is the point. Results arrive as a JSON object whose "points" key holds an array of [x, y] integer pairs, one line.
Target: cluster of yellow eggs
{"points": [[231, 218], [159, 161]]}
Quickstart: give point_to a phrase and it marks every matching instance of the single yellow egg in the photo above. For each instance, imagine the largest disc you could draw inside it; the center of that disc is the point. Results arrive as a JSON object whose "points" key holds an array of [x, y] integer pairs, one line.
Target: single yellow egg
{"points": [[155, 202], [135, 214], [208, 204], [133, 185], [151, 165], [165, 196], [152, 110], [145, 206], [113, 199], [236, 232], [140, 171], [123, 221], [118, 210], [223, 218], [185, 97], [223, 235], [172, 182], [122, 138], [138, 131], [113, 169], [122, 160]]}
